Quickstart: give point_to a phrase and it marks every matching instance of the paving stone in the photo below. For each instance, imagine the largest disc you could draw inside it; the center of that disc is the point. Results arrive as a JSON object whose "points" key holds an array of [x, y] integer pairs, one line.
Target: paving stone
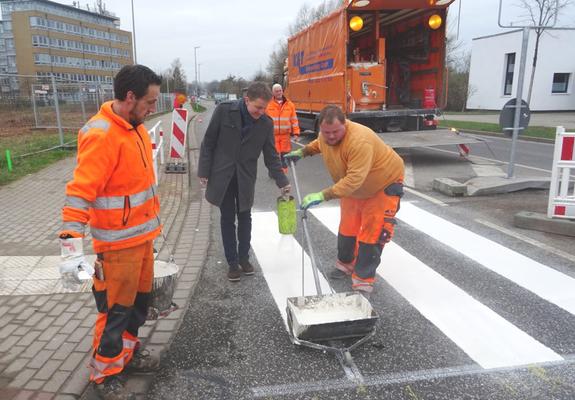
{"points": [[40, 301], [34, 319], [15, 366], [44, 323], [25, 314], [48, 334], [55, 383], [64, 397], [28, 338], [74, 307], [71, 326], [89, 321], [34, 384], [24, 395], [18, 308], [40, 359], [57, 310], [160, 337], [63, 319], [22, 378], [12, 354], [85, 311], [47, 370], [166, 325], [64, 351], [85, 345], [79, 334], [21, 331], [48, 306], [181, 294], [44, 396], [77, 382], [56, 342], [7, 331], [72, 361], [175, 314], [33, 349]]}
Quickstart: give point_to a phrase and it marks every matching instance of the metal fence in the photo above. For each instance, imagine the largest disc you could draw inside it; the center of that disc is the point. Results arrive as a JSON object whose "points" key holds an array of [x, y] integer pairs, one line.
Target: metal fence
{"points": [[40, 103]]}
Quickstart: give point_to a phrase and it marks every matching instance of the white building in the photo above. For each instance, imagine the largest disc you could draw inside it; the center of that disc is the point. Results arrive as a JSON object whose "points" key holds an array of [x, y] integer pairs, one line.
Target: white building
{"points": [[495, 70]]}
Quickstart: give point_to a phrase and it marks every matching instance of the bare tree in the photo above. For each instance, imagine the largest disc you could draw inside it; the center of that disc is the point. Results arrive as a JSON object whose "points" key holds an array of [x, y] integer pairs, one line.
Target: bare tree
{"points": [[540, 13]]}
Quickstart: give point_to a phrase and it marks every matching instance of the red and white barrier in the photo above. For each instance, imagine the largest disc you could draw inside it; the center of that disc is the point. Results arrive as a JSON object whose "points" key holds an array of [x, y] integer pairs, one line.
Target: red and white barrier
{"points": [[179, 132], [157, 139], [562, 203]]}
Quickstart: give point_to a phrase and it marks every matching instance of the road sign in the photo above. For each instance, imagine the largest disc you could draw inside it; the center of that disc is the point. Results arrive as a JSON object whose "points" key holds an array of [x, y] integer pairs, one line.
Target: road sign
{"points": [[507, 116]]}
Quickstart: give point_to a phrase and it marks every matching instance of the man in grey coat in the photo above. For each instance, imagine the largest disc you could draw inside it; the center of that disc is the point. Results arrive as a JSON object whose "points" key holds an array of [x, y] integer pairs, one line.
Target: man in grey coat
{"points": [[238, 133]]}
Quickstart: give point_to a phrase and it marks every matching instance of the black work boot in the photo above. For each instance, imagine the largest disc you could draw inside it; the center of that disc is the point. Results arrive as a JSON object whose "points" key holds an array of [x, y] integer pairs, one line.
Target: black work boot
{"points": [[143, 361], [247, 267], [114, 388], [234, 273]]}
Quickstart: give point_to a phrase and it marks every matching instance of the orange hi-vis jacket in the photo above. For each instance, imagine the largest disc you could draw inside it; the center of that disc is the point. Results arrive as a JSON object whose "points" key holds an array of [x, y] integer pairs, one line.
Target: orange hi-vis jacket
{"points": [[113, 188], [361, 165], [285, 123]]}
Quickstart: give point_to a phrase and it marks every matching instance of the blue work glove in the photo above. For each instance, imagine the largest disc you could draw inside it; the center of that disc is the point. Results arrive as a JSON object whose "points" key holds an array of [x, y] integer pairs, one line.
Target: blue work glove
{"points": [[294, 155], [312, 199]]}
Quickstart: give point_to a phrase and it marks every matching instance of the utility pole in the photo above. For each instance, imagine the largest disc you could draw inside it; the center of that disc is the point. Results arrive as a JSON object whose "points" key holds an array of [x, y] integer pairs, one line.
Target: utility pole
{"points": [[196, 67]]}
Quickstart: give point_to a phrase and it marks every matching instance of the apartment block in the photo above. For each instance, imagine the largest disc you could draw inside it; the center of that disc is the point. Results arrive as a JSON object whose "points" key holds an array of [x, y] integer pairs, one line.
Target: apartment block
{"points": [[41, 38]]}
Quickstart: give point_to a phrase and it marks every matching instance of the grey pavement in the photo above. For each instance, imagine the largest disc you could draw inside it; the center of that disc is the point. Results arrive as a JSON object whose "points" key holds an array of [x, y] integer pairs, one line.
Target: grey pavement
{"points": [[565, 119], [45, 330]]}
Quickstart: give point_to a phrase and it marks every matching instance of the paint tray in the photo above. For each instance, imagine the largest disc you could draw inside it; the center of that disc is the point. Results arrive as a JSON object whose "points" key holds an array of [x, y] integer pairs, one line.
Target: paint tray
{"points": [[330, 317]]}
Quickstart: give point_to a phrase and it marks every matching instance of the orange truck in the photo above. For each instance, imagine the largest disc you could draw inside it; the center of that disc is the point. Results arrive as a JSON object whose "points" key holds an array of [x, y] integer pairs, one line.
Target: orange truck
{"points": [[381, 61]]}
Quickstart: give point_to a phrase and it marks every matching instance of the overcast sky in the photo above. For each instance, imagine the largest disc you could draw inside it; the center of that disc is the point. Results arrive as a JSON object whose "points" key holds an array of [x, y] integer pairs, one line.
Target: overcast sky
{"points": [[237, 37]]}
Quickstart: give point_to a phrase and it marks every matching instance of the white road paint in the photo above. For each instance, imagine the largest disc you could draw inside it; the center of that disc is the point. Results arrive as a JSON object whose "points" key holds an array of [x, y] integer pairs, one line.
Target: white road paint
{"points": [[425, 197], [527, 239], [409, 178], [489, 339], [545, 282], [488, 159], [280, 257]]}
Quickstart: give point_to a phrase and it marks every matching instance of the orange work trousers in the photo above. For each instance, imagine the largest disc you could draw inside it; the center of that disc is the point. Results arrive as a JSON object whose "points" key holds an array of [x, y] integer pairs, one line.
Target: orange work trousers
{"points": [[122, 303], [365, 227], [283, 146]]}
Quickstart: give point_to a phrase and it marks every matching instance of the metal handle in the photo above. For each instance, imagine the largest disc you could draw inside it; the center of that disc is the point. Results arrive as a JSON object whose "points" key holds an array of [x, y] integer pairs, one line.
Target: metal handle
{"points": [[306, 233]]}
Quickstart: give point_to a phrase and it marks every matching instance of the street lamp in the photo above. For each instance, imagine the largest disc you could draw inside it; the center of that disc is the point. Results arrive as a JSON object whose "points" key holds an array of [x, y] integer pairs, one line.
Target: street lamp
{"points": [[196, 67], [199, 79], [134, 34]]}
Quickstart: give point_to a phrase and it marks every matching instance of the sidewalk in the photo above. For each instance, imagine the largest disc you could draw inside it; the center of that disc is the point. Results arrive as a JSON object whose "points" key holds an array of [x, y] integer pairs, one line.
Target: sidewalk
{"points": [[45, 331], [548, 119]]}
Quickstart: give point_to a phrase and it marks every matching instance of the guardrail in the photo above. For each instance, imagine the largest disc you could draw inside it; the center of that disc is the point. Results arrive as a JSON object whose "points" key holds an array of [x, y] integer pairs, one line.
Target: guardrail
{"points": [[157, 139], [562, 204]]}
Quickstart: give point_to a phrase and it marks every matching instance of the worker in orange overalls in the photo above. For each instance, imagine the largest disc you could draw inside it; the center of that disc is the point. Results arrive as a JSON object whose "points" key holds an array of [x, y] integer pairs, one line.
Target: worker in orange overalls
{"points": [[368, 176], [282, 112], [113, 190]]}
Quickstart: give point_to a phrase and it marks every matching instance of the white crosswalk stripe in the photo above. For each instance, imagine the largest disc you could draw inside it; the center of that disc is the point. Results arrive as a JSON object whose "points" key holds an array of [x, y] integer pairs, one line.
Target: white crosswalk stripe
{"points": [[486, 337], [280, 258]]}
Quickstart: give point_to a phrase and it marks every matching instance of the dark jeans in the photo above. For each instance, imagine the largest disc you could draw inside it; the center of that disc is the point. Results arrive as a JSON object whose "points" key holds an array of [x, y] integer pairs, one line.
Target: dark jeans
{"points": [[236, 249]]}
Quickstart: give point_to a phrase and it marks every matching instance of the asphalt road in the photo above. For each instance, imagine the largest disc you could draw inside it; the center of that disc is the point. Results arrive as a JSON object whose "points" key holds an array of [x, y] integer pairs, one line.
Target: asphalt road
{"points": [[469, 307]]}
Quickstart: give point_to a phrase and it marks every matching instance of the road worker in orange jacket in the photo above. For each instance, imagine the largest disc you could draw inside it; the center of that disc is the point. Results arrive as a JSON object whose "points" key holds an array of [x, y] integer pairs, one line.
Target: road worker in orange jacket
{"points": [[282, 112], [368, 176], [113, 191]]}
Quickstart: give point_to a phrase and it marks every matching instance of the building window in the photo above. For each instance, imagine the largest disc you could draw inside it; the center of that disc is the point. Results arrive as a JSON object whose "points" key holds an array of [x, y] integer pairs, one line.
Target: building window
{"points": [[509, 67], [560, 83]]}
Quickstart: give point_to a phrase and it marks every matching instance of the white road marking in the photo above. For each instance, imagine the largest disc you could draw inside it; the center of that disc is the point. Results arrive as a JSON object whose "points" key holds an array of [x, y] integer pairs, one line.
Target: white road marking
{"points": [[529, 240], [545, 282], [488, 159], [489, 339], [426, 197], [280, 257], [409, 179], [397, 378]]}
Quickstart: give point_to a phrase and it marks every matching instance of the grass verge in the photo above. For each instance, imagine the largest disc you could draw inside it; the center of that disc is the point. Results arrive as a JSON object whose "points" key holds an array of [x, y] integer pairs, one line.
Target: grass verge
{"points": [[30, 143], [532, 131]]}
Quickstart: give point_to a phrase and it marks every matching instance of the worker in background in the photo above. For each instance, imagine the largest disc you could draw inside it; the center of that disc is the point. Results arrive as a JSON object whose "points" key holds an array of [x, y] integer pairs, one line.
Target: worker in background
{"points": [[238, 133], [113, 190], [368, 176], [282, 112]]}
